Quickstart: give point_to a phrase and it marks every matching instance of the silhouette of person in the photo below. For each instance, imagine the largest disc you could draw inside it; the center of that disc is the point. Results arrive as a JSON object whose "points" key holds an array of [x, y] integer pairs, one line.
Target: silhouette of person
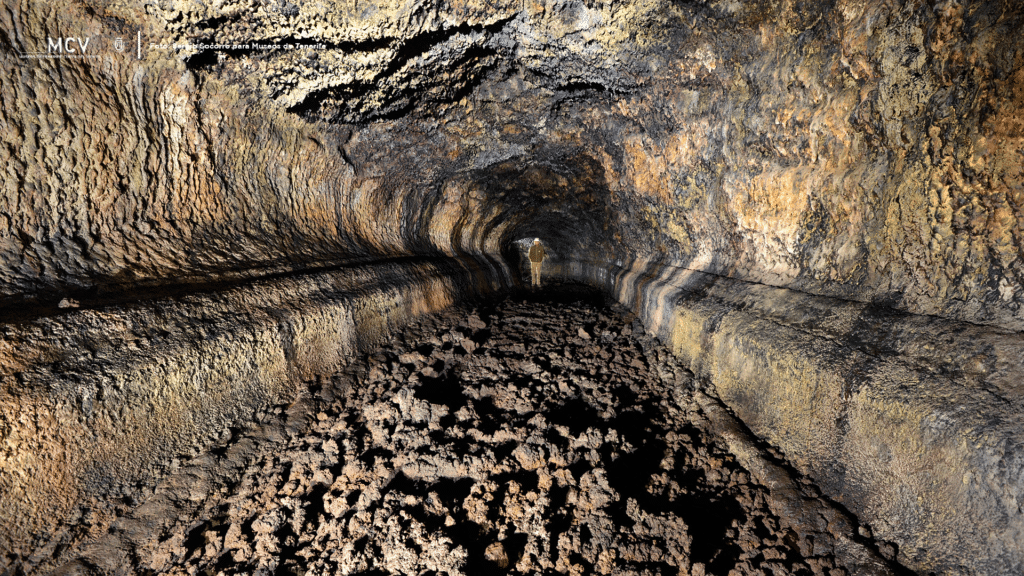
{"points": [[537, 255]]}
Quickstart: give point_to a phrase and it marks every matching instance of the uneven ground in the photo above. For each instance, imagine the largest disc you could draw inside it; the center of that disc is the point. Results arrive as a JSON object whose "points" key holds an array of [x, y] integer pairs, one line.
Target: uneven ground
{"points": [[536, 436]]}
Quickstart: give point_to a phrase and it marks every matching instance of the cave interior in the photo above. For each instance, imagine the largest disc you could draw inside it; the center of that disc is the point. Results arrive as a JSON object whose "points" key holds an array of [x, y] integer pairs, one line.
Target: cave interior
{"points": [[815, 206]]}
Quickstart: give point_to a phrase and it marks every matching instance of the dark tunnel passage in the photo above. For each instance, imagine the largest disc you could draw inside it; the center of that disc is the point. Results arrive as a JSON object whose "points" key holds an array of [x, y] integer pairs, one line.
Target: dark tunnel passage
{"points": [[560, 197]]}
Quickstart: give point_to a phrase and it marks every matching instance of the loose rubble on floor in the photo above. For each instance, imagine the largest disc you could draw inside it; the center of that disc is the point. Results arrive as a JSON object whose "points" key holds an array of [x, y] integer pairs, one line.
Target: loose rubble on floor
{"points": [[537, 436]]}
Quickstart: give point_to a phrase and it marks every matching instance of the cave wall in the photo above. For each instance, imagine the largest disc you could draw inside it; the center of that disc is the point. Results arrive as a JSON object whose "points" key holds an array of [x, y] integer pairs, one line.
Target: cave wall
{"points": [[100, 403], [851, 149], [859, 150], [130, 174], [865, 152], [911, 422]]}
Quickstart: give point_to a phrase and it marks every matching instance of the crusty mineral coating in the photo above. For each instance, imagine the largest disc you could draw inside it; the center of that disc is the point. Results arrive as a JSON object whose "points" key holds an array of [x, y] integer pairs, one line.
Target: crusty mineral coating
{"points": [[98, 402], [864, 150], [912, 422], [487, 441], [859, 149]]}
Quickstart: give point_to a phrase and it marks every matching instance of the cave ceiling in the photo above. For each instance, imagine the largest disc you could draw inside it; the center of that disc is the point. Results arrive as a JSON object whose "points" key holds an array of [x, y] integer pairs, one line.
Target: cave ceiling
{"points": [[362, 61], [851, 149]]}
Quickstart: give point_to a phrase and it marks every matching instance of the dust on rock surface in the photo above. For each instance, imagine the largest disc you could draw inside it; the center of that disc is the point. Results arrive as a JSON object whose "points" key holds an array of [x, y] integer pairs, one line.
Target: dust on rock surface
{"points": [[546, 435]]}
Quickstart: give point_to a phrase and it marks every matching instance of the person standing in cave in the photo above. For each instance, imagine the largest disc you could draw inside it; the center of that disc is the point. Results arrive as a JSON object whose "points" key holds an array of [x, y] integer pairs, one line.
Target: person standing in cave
{"points": [[537, 255]]}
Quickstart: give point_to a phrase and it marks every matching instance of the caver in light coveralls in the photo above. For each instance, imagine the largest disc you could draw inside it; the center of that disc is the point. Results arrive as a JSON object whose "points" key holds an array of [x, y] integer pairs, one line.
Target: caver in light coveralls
{"points": [[537, 255]]}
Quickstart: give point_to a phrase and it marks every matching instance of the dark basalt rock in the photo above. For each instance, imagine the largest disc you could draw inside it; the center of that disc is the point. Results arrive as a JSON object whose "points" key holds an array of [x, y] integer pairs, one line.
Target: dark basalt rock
{"points": [[844, 174], [455, 448]]}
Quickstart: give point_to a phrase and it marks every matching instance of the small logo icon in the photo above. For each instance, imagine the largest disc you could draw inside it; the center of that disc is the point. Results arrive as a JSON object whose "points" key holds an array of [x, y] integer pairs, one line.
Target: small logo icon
{"points": [[119, 44]]}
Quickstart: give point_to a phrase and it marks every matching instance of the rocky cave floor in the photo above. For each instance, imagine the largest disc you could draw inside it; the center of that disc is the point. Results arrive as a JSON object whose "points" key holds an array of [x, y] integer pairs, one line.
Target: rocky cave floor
{"points": [[544, 434]]}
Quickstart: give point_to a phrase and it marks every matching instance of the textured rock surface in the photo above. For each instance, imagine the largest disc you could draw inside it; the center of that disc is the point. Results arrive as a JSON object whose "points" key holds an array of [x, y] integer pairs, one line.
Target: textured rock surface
{"points": [[854, 149], [97, 404], [858, 150], [528, 438], [911, 422]]}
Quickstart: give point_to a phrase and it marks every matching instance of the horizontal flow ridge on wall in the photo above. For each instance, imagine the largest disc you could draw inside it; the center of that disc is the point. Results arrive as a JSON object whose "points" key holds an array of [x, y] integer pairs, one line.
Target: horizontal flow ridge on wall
{"points": [[101, 399], [911, 422]]}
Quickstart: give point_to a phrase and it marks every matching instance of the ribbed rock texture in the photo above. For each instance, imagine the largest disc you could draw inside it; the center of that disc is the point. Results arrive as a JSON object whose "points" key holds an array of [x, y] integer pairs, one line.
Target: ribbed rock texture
{"points": [[859, 150], [911, 422], [456, 449], [101, 402], [851, 149]]}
